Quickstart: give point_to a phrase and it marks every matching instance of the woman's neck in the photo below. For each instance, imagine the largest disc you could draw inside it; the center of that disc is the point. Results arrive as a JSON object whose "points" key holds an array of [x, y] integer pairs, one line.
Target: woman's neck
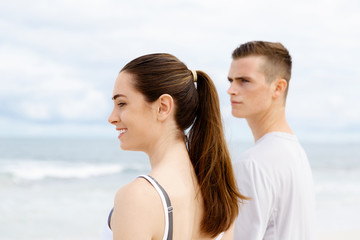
{"points": [[167, 151]]}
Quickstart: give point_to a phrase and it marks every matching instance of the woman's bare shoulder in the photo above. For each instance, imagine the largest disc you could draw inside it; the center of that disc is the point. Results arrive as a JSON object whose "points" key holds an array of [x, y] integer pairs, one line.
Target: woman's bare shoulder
{"points": [[138, 190], [229, 234], [137, 210]]}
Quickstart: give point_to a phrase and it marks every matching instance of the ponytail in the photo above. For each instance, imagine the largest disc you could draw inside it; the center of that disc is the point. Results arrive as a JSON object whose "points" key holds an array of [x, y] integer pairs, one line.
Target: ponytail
{"points": [[198, 108], [211, 160]]}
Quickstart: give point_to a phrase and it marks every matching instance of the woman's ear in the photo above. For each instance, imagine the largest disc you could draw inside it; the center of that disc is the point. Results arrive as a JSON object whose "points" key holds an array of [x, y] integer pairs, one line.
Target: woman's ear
{"points": [[279, 87], [165, 106]]}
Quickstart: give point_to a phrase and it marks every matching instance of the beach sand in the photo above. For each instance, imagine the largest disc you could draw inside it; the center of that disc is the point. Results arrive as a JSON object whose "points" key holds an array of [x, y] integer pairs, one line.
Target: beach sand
{"points": [[340, 235]]}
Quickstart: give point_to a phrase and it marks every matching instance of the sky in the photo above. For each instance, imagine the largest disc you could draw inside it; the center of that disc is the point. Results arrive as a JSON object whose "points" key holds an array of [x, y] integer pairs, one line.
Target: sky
{"points": [[59, 59]]}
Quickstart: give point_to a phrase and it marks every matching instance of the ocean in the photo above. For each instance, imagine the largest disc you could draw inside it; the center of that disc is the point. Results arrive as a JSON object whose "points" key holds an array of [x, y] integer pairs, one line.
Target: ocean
{"points": [[64, 188]]}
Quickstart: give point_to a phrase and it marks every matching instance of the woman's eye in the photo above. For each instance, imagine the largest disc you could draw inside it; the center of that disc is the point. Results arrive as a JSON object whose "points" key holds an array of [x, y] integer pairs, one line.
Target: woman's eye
{"points": [[121, 104]]}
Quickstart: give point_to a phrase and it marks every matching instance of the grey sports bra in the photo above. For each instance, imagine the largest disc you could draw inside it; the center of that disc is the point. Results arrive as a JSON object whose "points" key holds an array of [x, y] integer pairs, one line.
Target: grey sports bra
{"points": [[168, 209]]}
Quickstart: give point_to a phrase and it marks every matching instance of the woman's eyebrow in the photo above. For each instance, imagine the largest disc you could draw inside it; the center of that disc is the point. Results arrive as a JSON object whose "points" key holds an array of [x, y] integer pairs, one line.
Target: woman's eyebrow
{"points": [[117, 95]]}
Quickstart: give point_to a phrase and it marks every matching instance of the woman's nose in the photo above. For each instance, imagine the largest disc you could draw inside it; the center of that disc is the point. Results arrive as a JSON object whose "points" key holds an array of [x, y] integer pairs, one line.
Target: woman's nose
{"points": [[112, 118]]}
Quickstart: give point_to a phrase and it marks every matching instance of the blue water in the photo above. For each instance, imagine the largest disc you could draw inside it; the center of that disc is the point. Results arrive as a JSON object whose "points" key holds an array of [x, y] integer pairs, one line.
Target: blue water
{"points": [[64, 188]]}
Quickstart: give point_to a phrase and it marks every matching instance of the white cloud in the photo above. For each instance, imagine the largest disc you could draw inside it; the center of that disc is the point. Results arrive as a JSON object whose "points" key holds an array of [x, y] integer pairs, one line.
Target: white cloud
{"points": [[41, 89], [58, 59], [35, 110], [19, 128], [92, 105]]}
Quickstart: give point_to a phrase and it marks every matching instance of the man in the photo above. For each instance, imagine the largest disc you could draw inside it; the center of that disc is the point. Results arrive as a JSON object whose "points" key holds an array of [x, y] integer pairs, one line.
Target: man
{"points": [[275, 173]]}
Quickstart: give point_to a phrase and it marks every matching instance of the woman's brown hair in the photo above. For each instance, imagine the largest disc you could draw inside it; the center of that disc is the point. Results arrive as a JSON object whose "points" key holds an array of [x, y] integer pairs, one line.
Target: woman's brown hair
{"points": [[196, 107]]}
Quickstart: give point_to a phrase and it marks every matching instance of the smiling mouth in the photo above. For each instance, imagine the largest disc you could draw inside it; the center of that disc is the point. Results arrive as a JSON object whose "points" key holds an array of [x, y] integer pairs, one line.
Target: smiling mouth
{"points": [[122, 132]]}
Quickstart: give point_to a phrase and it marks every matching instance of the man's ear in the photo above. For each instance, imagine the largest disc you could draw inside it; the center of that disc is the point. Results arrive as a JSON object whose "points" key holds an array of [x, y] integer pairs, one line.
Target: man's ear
{"points": [[280, 86], [165, 106]]}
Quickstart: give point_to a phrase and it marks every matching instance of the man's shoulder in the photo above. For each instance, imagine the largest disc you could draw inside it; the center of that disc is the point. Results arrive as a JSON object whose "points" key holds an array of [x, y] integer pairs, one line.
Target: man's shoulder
{"points": [[273, 148], [260, 150], [250, 159], [250, 169]]}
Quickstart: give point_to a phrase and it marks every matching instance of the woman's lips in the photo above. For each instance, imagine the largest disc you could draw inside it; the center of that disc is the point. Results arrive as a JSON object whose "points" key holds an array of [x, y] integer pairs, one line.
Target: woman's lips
{"points": [[121, 131]]}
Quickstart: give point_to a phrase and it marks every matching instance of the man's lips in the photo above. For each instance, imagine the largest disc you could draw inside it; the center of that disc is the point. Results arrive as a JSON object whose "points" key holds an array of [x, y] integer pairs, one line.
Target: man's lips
{"points": [[235, 102]]}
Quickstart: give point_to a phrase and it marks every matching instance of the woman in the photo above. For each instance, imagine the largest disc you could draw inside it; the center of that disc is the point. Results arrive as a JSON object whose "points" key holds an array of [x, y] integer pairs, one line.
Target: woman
{"points": [[190, 192]]}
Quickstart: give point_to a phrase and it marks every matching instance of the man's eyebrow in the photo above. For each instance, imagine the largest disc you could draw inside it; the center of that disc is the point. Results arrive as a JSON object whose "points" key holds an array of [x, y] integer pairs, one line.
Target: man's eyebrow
{"points": [[117, 95], [239, 78]]}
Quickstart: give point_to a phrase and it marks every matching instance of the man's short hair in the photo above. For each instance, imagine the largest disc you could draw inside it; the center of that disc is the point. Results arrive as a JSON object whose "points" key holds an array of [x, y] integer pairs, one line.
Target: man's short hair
{"points": [[277, 58]]}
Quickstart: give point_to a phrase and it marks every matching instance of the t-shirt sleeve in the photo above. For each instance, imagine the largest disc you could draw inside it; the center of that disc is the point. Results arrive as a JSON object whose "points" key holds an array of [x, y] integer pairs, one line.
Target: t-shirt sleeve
{"points": [[254, 215]]}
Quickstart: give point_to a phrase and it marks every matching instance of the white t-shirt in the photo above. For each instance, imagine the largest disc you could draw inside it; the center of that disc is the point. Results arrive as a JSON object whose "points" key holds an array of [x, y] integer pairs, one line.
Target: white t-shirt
{"points": [[276, 175]]}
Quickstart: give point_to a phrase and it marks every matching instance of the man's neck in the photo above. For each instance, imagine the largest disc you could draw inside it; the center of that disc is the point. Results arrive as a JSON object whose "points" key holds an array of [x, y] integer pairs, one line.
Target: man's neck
{"points": [[274, 121]]}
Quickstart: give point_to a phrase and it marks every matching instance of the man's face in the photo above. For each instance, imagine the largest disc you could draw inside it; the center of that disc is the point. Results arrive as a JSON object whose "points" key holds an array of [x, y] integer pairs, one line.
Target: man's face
{"points": [[250, 93]]}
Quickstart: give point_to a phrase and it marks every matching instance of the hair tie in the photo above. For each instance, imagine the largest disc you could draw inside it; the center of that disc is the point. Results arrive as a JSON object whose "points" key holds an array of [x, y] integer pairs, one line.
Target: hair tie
{"points": [[194, 75]]}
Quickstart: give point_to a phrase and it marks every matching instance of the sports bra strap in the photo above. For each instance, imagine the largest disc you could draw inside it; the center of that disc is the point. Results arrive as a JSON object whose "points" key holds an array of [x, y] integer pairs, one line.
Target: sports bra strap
{"points": [[220, 236], [168, 209]]}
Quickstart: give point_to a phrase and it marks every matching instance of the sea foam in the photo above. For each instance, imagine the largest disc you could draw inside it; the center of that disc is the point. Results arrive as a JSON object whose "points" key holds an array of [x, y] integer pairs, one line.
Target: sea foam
{"points": [[38, 170]]}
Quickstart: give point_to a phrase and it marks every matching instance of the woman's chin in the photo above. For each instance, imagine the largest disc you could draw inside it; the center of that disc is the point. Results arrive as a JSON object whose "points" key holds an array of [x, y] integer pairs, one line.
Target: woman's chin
{"points": [[123, 146], [126, 147]]}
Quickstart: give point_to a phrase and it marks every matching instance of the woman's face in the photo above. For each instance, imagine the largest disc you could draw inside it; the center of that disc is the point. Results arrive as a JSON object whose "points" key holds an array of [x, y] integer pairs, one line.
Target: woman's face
{"points": [[133, 117]]}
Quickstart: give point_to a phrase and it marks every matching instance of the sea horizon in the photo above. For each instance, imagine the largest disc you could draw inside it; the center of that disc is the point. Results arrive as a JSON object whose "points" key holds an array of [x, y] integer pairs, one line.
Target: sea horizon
{"points": [[63, 188]]}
